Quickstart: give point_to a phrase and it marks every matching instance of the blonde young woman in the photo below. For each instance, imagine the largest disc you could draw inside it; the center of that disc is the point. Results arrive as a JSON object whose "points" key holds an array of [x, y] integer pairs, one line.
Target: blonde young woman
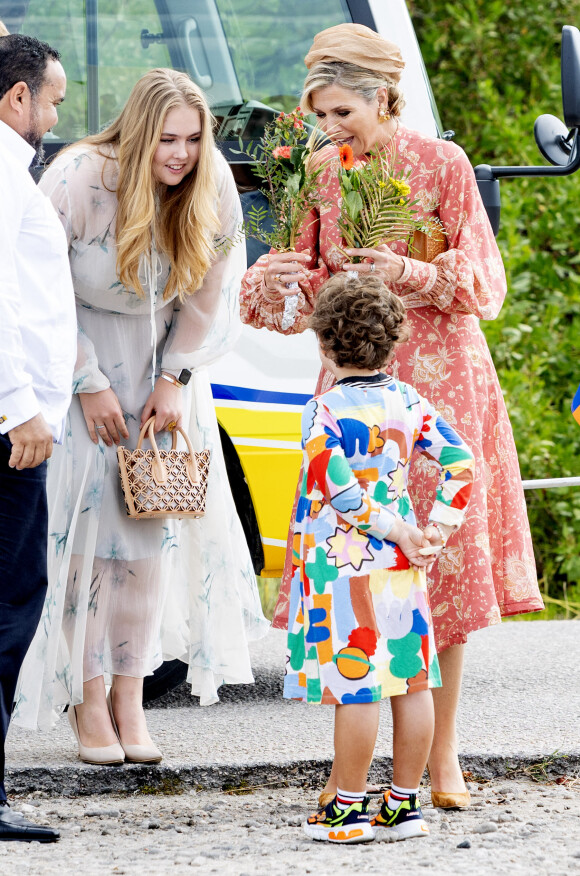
{"points": [[151, 214], [487, 570]]}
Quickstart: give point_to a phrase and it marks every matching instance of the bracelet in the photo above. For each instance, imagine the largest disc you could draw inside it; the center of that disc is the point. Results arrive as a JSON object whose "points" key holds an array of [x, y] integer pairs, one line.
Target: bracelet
{"points": [[441, 533], [171, 379]]}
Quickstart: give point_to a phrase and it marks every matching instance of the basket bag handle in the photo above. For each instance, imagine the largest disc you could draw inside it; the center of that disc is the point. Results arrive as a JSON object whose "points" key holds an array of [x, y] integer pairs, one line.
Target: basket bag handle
{"points": [[158, 468]]}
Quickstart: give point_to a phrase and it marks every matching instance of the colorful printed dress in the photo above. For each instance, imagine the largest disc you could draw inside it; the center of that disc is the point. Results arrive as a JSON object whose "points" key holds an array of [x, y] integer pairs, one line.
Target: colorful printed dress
{"points": [[124, 595], [360, 624], [488, 568]]}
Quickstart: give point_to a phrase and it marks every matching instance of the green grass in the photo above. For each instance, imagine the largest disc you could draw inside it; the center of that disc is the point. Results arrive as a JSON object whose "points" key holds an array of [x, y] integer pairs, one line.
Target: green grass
{"points": [[268, 589]]}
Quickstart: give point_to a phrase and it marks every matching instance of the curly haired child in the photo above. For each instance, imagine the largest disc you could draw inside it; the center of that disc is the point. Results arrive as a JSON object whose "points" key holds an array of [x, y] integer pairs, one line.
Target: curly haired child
{"points": [[360, 627]]}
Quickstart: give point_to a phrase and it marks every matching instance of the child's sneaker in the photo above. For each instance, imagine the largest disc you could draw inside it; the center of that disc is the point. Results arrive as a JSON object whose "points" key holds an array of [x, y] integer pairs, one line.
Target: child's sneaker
{"points": [[406, 821], [334, 825]]}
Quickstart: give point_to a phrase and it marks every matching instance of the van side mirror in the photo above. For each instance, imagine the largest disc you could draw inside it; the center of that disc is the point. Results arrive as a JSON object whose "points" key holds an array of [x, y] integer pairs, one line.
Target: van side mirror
{"points": [[559, 143], [555, 139], [571, 76]]}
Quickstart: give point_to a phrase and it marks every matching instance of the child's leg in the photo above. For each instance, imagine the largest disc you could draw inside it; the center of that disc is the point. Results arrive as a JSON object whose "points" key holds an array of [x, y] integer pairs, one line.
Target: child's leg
{"points": [[413, 723], [345, 818], [355, 735]]}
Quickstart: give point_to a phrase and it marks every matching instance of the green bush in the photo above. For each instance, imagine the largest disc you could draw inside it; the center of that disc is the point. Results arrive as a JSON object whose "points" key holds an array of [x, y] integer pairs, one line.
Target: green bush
{"points": [[495, 67]]}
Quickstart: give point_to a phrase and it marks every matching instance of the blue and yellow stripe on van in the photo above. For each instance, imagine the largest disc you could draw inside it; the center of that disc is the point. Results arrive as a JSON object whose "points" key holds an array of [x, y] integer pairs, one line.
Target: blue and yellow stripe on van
{"points": [[264, 427]]}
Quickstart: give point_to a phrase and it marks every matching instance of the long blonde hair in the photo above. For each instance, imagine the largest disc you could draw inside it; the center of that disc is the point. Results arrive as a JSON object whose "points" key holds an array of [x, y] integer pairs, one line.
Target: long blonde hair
{"points": [[182, 219]]}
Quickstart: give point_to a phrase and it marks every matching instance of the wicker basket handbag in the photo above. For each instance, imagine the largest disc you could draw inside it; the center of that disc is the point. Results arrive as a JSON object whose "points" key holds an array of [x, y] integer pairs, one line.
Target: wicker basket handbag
{"points": [[428, 244], [163, 483]]}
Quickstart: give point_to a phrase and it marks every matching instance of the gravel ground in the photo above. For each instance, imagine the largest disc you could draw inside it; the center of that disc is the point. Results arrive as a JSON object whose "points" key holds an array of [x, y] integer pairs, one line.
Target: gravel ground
{"points": [[515, 826]]}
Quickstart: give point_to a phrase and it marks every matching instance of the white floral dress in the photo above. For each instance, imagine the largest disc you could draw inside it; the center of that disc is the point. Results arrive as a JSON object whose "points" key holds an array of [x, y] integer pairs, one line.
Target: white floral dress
{"points": [[124, 595]]}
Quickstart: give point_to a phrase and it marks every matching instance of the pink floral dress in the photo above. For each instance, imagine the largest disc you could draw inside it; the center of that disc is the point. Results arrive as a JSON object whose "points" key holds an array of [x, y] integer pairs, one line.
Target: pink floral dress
{"points": [[487, 570]]}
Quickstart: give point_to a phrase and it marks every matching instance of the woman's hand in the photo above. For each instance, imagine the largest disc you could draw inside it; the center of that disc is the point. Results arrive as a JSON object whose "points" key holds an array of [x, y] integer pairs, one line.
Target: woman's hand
{"points": [[103, 416], [411, 540], [438, 535], [284, 268], [166, 403], [381, 260]]}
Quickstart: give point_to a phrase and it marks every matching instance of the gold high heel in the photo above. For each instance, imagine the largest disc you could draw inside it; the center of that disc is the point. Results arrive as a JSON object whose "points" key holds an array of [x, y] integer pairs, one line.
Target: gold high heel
{"points": [[442, 800], [445, 800], [325, 799]]}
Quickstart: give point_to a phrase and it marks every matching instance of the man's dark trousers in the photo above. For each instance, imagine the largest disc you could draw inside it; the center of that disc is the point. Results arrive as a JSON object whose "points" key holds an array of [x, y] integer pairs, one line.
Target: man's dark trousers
{"points": [[23, 537]]}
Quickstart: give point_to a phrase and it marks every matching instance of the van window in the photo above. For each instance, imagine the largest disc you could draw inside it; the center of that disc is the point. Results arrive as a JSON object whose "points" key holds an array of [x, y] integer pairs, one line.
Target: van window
{"points": [[238, 51], [268, 40]]}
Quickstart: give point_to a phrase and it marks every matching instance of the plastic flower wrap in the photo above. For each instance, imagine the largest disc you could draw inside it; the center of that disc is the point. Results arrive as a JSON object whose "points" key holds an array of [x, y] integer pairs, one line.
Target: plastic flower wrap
{"points": [[283, 161], [376, 204]]}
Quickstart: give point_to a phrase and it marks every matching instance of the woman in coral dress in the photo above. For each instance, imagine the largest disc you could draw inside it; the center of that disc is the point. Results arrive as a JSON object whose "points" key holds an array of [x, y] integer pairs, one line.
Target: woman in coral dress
{"points": [[487, 570]]}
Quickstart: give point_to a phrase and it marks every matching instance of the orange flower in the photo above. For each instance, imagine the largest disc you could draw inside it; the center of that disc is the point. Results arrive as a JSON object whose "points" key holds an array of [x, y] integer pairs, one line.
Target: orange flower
{"points": [[346, 156], [281, 152]]}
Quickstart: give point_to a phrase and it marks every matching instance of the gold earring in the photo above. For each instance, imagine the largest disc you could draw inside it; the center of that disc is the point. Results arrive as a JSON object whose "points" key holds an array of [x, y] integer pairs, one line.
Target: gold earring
{"points": [[384, 115]]}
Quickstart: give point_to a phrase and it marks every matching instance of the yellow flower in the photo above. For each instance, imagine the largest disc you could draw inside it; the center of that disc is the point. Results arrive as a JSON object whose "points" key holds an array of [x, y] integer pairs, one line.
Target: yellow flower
{"points": [[401, 188]]}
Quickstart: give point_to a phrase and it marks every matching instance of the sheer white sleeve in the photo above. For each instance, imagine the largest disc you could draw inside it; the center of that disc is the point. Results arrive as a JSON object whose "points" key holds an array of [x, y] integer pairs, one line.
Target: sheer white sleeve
{"points": [[68, 184]]}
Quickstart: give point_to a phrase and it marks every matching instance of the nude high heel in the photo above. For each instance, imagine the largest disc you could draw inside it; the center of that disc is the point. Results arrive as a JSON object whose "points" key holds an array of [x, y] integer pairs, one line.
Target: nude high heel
{"points": [[104, 756], [135, 753]]}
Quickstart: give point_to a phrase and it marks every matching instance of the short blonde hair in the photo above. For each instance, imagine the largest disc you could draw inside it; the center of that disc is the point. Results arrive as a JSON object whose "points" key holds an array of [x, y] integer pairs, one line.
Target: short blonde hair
{"points": [[363, 82], [185, 223]]}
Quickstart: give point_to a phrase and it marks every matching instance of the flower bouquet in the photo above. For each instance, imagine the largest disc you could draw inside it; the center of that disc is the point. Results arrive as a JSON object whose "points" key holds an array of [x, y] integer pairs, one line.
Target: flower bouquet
{"points": [[283, 161], [376, 204]]}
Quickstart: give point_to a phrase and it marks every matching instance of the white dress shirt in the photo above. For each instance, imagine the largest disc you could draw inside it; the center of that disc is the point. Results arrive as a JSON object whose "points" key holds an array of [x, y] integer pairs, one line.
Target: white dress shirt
{"points": [[37, 312]]}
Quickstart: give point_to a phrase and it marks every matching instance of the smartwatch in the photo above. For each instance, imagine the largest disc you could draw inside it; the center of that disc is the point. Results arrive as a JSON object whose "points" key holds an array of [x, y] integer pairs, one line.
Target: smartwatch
{"points": [[182, 380], [184, 376]]}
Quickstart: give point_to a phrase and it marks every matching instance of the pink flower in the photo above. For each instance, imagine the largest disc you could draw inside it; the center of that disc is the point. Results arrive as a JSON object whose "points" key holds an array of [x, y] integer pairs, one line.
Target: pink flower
{"points": [[281, 152]]}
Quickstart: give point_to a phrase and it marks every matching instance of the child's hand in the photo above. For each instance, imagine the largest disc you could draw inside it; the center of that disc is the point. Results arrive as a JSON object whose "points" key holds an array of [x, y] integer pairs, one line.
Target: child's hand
{"points": [[411, 540]]}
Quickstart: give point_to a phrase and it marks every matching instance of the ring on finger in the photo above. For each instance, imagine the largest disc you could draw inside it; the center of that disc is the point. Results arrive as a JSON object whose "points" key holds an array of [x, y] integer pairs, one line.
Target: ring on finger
{"points": [[102, 426], [171, 426], [278, 278], [372, 267]]}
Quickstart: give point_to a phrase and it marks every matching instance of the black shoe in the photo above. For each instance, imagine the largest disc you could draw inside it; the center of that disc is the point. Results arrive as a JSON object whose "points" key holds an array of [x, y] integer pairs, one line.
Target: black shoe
{"points": [[14, 826]]}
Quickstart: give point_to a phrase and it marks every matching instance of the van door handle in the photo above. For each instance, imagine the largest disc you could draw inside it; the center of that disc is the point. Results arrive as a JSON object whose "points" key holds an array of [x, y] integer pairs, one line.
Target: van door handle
{"points": [[187, 29]]}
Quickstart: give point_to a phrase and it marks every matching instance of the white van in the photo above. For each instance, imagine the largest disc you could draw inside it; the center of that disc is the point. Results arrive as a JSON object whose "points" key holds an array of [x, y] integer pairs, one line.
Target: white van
{"points": [[247, 55]]}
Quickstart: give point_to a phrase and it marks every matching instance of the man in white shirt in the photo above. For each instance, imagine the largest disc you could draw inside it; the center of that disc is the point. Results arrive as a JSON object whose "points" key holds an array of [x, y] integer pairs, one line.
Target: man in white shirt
{"points": [[37, 354]]}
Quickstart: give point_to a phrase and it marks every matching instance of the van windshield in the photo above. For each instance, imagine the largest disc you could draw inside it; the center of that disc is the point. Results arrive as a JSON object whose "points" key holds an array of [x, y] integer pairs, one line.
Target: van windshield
{"points": [[247, 55]]}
